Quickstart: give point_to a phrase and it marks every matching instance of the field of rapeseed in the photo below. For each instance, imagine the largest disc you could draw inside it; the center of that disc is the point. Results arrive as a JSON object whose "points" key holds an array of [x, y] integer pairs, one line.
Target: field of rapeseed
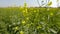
{"points": [[29, 20]]}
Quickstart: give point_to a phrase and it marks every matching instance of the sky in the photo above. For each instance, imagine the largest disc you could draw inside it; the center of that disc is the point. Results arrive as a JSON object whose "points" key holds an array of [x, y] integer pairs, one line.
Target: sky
{"points": [[33, 3]]}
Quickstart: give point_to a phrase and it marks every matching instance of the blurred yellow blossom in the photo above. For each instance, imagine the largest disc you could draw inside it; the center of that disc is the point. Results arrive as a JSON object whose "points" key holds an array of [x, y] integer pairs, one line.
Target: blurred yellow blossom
{"points": [[24, 11], [16, 28], [27, 18], [51, 14], [34, 10], [23, 22], [21, 32]]}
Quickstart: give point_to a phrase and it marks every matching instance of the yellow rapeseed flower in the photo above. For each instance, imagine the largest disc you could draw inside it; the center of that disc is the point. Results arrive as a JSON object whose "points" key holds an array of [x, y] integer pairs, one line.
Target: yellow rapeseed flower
{"points": [[51, 14], [24, 11], [27, 18], [34, 10], [21, 32], [16, 28], [23, 22]]}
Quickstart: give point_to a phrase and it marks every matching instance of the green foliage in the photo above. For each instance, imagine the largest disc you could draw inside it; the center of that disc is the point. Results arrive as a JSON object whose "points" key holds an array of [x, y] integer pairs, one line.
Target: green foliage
{"points": [[29, 20]]}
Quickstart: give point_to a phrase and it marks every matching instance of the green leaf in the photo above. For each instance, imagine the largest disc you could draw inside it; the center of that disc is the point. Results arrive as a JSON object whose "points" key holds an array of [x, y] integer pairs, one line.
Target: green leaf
{"points": [[50, 3], [53, 30]]}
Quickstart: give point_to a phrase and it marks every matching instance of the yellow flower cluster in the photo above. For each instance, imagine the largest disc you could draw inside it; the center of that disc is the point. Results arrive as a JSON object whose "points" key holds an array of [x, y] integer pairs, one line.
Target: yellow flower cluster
{"points": [[23, 22], [21, 32]]}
